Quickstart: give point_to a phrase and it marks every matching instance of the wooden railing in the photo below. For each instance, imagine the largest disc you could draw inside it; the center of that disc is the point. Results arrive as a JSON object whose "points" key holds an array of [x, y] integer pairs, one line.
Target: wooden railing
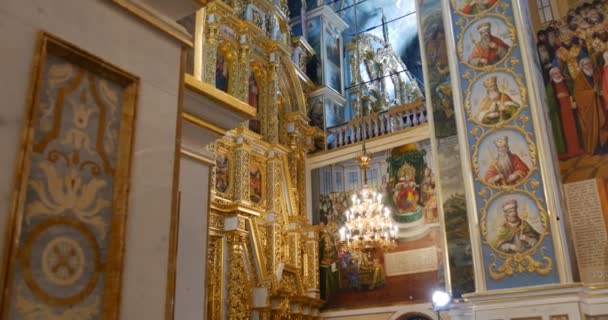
{"points": [[378, 124]]}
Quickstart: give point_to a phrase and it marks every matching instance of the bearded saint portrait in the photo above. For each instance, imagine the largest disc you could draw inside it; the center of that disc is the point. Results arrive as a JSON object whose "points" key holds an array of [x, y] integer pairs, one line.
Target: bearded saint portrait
{"points": [[507, 168]]}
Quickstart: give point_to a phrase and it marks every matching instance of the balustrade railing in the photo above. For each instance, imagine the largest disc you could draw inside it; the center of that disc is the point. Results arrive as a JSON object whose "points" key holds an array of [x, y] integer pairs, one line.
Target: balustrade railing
{"points": [[377, 124]]}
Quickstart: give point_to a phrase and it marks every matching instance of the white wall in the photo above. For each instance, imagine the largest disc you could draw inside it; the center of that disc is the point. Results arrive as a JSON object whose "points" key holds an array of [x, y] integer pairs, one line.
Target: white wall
{"points": [[192, 246], [106, 31]]}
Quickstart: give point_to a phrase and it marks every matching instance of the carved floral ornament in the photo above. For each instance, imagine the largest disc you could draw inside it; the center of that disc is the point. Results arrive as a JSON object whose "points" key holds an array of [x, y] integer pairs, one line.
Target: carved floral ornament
{"points": [[70, 204]]}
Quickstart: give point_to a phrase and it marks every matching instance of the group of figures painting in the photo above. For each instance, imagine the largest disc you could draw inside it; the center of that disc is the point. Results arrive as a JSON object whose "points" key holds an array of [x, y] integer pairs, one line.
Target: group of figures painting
{"points": [[514, 221], [573, 53], [404, 178]]}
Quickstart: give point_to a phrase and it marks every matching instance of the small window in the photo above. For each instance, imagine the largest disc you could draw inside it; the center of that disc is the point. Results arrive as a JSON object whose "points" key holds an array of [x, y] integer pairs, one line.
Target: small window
{"points": [[353, 180], [373, 177], [545, 10], [326, 184], [339, 186]]}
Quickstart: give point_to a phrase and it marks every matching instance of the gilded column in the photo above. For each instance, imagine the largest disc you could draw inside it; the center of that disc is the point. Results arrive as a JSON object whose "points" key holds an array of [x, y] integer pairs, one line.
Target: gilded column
{"points": [[241, 173], [265, 315], [210, 49], [294, 243], [215, 275], [311, 263], [240, 83], [239, 288], [302, 183], [274, 215], [270, 124], [293, 178]]}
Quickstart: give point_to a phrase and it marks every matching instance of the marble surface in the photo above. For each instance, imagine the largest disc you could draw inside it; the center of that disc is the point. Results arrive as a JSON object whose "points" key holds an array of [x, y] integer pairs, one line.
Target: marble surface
{"points": [[191, 267]]}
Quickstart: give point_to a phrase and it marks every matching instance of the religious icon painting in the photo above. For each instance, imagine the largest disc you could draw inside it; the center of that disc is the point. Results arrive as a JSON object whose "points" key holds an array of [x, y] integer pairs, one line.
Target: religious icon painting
{"points": [[253, 95], [222, 173], [513, 223], [495, 98], [255, 182], [254, 125], [315, 112], [514, 227], [333, 76], [334, 113], [486, 42], [221, 71], [504, 158], [332, 49], [473, 7]]}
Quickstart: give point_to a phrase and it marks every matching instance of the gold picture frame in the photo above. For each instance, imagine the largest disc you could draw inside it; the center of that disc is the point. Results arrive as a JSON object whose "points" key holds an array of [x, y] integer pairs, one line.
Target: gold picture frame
{"points": [[109, 97]]}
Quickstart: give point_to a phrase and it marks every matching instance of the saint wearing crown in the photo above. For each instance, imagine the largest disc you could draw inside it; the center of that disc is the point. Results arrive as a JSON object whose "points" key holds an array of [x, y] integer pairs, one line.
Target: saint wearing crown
{"points": [[489, 49], [497, 106], [477, 6], [405, 192]]}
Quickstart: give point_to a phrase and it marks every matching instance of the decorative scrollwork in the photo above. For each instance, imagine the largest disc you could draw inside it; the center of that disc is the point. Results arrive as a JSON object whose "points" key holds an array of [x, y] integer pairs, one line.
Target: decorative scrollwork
{"points": [[519, 263]]}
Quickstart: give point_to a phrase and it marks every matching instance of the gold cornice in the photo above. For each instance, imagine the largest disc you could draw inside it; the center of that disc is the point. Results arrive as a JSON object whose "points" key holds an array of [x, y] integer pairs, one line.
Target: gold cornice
{"points": [[303, 43], [252, 29], [230, 102], [590, 286], [155, 21], [203, 124], [220, 6], [253, 140], [196, 157], [308, 85], [235, 209]]}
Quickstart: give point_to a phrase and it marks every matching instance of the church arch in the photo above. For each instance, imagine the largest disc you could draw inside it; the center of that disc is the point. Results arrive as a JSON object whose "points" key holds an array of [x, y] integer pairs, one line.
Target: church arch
{"points": [[409, 315]]}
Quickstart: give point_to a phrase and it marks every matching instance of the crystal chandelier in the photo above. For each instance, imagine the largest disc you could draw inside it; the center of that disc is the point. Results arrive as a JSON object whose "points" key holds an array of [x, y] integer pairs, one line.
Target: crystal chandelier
{"points": [[369, 226]]}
